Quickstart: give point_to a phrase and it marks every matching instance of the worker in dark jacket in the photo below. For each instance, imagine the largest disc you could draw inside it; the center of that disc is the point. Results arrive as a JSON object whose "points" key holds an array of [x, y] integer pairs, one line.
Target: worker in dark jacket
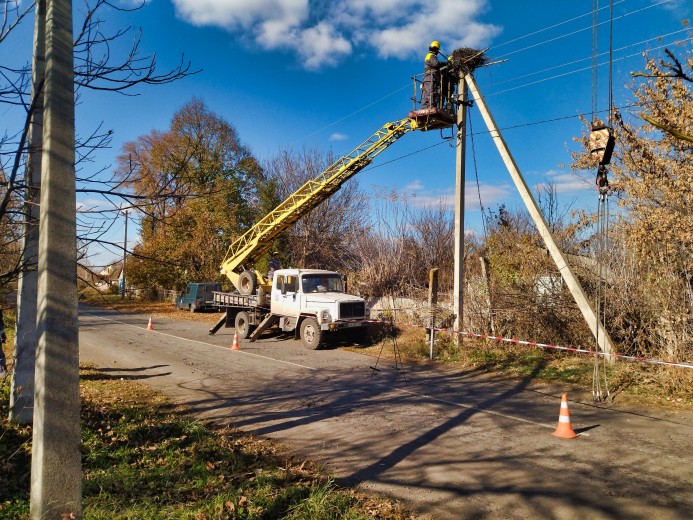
{"points": [[431, 81], [273, 265]]}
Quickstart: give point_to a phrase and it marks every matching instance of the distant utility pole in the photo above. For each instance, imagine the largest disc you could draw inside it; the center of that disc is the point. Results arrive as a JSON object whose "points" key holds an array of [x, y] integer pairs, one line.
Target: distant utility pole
{"points": [[56, 473], [125, 252], [22, 396], [458, 289]]}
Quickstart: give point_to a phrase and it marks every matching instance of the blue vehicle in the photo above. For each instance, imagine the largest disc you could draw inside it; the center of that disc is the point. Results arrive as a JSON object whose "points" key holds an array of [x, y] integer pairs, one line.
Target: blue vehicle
{"points": [[198, 297]]}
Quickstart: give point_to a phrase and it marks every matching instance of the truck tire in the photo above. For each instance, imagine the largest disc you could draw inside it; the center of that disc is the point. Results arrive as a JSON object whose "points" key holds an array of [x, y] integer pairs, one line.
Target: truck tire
{"points": [[311, 334], [242, 324], [193, 308], [247, 282]]}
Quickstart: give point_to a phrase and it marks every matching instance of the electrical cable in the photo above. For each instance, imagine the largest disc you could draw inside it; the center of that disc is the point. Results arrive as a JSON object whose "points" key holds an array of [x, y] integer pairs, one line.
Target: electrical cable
{"points": [[476, 173], [547, 28], [595, 53], [482, 132], [408, 85], [580, 30], [574, 71], [565, 64], [496, 46], [611, 62], [602, 221]]}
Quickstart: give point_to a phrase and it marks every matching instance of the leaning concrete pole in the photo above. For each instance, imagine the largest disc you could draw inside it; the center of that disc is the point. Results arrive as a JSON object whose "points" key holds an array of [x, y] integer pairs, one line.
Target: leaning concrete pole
{"points": [[458, 288], [22, 396], [598, 330], [56, 475]]}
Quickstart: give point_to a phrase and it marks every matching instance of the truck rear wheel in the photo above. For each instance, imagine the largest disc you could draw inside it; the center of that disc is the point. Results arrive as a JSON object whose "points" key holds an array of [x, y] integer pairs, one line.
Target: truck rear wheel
{"points": [[242, 323], [247, 282], [311, 333]]}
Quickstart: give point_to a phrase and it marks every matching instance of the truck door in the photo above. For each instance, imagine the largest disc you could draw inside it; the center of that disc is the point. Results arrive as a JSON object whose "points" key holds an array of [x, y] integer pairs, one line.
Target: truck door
{"points": [[285, 297]]}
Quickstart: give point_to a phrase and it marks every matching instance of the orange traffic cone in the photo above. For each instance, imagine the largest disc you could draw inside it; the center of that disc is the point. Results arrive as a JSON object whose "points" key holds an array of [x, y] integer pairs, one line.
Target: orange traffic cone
{"points": [[564, 430], [149, 326], [235, 346]]}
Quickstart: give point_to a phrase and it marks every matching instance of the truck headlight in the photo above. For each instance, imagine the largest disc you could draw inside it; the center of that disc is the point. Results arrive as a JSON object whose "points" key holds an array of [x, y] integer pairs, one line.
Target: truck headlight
{"points": [[325, 317]]}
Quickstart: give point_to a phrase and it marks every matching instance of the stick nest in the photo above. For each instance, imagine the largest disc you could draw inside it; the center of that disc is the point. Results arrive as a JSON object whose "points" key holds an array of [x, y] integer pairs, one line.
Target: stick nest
{"points": [[466, 60]]}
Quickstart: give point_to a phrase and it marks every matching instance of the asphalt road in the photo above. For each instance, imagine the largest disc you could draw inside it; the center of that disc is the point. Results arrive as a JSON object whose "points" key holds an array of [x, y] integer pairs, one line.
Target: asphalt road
{"points": [[448, 443]]}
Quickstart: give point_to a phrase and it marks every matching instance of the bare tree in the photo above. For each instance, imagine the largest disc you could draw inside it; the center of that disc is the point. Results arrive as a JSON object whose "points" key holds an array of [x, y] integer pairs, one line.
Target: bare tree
{"points": [[323, 237], [98, 66]]}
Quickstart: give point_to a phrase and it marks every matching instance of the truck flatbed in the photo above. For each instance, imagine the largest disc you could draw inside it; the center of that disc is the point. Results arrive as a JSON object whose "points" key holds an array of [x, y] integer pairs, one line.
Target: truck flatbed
{"points": [[223, 299]]}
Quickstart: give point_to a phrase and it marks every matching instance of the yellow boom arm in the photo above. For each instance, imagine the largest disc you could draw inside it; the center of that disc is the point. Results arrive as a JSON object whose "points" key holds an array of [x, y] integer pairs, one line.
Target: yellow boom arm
{"points": [[258, 240]]}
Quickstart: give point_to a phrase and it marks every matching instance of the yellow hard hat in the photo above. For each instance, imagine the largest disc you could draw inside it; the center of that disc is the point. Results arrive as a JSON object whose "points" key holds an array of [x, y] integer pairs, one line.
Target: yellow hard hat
{"points": [[435, 44]]}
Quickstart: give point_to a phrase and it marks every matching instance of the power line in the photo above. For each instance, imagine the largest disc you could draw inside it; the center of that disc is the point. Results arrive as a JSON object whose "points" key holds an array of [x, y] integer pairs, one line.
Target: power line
{"points": [[408, 85], [576, 71], [549, 27], [548, 69], [511, 127], [581, 30]]}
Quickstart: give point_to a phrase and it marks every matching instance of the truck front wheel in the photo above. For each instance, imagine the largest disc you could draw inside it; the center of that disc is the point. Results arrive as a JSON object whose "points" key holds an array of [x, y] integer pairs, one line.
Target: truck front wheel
{"points": [[311, 333], [242, 325]]}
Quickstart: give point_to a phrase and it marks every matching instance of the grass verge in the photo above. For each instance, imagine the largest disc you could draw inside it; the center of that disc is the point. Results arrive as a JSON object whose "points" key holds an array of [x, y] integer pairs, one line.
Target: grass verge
{"points": [[654, 385], [144, 458]]}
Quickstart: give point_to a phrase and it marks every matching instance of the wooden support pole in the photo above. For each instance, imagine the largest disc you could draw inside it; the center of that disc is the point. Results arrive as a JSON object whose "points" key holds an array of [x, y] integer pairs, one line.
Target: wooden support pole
{"points": [[598, 330]]}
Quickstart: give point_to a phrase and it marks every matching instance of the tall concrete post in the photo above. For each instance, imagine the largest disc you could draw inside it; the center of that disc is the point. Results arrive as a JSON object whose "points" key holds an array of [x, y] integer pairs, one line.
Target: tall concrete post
{"points": [[598, 330], [460, 151], [125, 255], [56, 473], [22, 395]]}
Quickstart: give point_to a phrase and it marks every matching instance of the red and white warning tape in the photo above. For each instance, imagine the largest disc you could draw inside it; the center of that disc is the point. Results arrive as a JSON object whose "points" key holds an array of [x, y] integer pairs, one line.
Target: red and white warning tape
{"points": [[546, 345]]}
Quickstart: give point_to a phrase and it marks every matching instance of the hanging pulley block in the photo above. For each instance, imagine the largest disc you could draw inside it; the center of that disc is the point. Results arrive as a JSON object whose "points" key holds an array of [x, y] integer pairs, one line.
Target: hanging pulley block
{"points": [[601, 142]]}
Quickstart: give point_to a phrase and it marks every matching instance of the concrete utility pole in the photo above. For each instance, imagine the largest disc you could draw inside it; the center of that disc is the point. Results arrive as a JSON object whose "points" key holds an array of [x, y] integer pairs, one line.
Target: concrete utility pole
{"points": [[125, 252], [598, 330], [22, 396], [56, 473], [458, 289]]}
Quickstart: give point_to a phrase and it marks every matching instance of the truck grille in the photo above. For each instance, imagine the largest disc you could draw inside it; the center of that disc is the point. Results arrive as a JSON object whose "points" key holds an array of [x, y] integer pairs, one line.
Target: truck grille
{"points": [[352, 310]]}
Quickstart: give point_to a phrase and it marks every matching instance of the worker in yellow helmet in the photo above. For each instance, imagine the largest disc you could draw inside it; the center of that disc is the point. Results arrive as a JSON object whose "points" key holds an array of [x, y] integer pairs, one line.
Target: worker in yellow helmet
{"points": [[430, 98]]}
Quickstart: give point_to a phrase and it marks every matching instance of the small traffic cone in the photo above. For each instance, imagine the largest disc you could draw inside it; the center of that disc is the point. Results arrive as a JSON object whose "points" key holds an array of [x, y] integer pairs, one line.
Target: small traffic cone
{"points": [[149, 326], [235, 346], [564, 430]]}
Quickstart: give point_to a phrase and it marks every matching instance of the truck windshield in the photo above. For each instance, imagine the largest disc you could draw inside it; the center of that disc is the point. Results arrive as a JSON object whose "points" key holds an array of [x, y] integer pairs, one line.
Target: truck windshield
{"points": [[312, 283]]}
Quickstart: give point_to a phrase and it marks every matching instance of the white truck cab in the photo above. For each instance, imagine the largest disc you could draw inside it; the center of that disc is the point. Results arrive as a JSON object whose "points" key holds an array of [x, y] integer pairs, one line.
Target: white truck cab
{"points": [[315, 301]]}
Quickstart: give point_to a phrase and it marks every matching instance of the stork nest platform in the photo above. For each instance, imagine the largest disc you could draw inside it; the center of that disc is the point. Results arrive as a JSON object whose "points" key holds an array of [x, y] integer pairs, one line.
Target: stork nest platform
{"points": [[466, 60]]}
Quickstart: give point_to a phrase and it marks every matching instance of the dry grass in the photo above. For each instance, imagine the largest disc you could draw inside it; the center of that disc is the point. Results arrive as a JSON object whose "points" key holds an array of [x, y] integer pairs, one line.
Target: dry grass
{"points": [[145, 458]]}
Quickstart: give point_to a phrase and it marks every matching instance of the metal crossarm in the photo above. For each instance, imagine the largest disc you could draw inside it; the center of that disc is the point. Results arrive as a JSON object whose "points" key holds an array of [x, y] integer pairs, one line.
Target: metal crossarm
{"points": [[258, 239]]}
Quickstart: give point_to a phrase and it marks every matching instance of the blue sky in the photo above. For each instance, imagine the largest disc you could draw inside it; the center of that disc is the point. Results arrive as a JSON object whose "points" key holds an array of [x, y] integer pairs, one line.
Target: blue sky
{"points": [[295, 73]]}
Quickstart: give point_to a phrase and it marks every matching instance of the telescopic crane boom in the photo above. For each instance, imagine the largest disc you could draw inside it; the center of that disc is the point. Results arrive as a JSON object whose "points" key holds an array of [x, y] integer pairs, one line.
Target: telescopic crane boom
{"points": [[246, 250], [239, 264]]}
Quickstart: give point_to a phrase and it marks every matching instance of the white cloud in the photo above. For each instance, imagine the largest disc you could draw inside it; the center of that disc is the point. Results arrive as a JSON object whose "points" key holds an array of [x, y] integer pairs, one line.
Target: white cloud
{"points": [[491, 195], [323, 33], [565, 182], [414, 186], [338, 137], [133, 3], [93, 205]]}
